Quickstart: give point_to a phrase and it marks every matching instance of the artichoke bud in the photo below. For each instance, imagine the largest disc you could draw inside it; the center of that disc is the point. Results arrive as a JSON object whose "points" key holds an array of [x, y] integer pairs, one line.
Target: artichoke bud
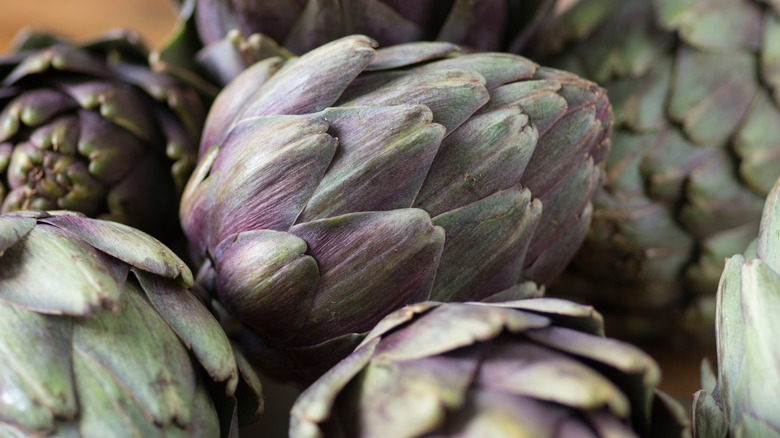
{"points": [[90, 118], [536, 367], [411, 172]]}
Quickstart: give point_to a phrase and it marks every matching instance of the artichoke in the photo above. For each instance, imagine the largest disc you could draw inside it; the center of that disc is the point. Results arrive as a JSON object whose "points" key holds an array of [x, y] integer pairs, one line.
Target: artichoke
{"points": [[101, 337], [696, 91], [229, 35], [412, 170], [742, 400], [91, 128], [537, 367]]}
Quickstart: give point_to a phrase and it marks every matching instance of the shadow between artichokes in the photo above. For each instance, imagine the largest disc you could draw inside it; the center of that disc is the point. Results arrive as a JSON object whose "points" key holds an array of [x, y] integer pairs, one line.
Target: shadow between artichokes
{"points": [[101, 336], [336, 187]]}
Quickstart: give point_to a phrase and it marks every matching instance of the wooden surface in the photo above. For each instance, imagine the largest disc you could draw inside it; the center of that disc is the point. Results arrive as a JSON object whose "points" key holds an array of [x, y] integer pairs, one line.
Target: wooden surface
{"points": [[153, 20]]}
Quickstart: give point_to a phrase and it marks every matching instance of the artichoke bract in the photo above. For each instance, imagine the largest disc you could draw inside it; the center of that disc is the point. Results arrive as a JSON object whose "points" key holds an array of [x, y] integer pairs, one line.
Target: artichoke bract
{"points": [[412, 170], [225, 36], [696, 148], [92, 128], [535, 367], [741, 399], [100, 336]]}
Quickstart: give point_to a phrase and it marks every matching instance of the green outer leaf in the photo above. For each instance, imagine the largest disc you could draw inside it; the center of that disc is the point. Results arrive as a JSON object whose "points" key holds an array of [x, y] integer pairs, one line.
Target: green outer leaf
{"points": [[454, 325], [768, 246], [398, 318], [144, 353], [195, 326], [709, 380], [750, 426], [411, 397], [315, 404], [563, 312], [620, 355], [756, 393], [35, 379], [206, 420], [106, 407], [127, 244], [518, 366], [709, 420], [52, 272], [498, 414], [12, 230], [730, 334]]}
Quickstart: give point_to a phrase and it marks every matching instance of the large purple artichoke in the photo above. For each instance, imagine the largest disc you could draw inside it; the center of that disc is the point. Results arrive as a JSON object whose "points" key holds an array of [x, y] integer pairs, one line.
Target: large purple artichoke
{"points": [[336, 187]]}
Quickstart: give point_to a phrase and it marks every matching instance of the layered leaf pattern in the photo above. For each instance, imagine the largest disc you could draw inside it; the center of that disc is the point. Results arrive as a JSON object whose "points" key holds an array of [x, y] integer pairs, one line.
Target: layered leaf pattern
{"points": [[413, 170], [101, 336]]}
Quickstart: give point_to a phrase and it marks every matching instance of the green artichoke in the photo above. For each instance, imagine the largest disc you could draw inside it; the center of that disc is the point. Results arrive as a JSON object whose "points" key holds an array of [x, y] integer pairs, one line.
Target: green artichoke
{"points": [[696, 90], [100, 337], [229, 35], [537, 367], [91, 128], [743, 400], [412, 170]]}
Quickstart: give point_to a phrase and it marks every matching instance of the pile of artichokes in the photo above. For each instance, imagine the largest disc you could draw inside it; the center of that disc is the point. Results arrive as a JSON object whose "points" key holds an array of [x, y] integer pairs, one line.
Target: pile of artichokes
{"points": [[370, 199]]}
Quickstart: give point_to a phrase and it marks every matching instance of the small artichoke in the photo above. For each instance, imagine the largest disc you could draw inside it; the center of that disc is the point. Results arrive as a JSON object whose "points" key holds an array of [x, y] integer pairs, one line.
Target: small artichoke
{"points": [[100, 337], [741, 399], [229, 35], [91, 128], [696, 148], [412, 170], [536, 367]]}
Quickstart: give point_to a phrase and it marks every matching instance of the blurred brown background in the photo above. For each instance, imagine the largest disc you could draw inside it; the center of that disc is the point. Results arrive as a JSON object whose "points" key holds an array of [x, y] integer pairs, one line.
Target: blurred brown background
{"points": [[153, 20]]}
